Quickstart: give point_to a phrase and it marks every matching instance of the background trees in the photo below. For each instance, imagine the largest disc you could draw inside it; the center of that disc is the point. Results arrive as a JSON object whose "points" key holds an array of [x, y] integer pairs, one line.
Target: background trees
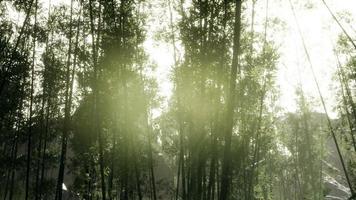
{"points": [[304, 134]]}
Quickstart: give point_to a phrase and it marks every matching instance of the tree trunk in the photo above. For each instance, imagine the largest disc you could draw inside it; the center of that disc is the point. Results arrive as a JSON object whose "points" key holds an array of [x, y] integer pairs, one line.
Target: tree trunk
{"points": [[96, 104], [67, 110], [226, 168], [29, 140], [150, 156]]}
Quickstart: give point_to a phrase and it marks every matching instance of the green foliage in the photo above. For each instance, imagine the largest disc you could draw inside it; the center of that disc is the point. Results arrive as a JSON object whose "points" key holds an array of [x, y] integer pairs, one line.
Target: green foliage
{"points": [[78, 93], [302, 137]]}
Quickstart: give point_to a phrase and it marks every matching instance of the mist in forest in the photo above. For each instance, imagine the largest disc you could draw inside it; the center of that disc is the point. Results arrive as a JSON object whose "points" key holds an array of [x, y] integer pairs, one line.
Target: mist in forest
{"points": [[177, 99]]}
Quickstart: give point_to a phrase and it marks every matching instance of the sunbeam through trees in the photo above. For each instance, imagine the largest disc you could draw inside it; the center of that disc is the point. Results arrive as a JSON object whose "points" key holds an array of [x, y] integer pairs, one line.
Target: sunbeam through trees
{"points": [[177, 100]]}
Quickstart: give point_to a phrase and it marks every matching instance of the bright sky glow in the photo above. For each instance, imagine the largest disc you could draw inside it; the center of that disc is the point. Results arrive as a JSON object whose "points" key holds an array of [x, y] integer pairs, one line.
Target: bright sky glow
{"points": [[320, 32]]}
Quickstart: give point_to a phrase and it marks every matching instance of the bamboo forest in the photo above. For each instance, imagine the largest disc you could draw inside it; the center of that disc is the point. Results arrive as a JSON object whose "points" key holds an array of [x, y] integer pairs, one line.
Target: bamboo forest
{"points": [[177, 100]]}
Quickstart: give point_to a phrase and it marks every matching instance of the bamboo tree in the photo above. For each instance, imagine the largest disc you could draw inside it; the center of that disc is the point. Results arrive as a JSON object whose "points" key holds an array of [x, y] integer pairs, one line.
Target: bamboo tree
{"points": [[44, 120], [214, 168], [235, 69], [19, 125], [344, 100], [67, 110], [340, 25], [97, 125], [29, 140], [256, 153], [45, 112], [9, 62], [344, 83], [150, 157], [181, 162]]}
